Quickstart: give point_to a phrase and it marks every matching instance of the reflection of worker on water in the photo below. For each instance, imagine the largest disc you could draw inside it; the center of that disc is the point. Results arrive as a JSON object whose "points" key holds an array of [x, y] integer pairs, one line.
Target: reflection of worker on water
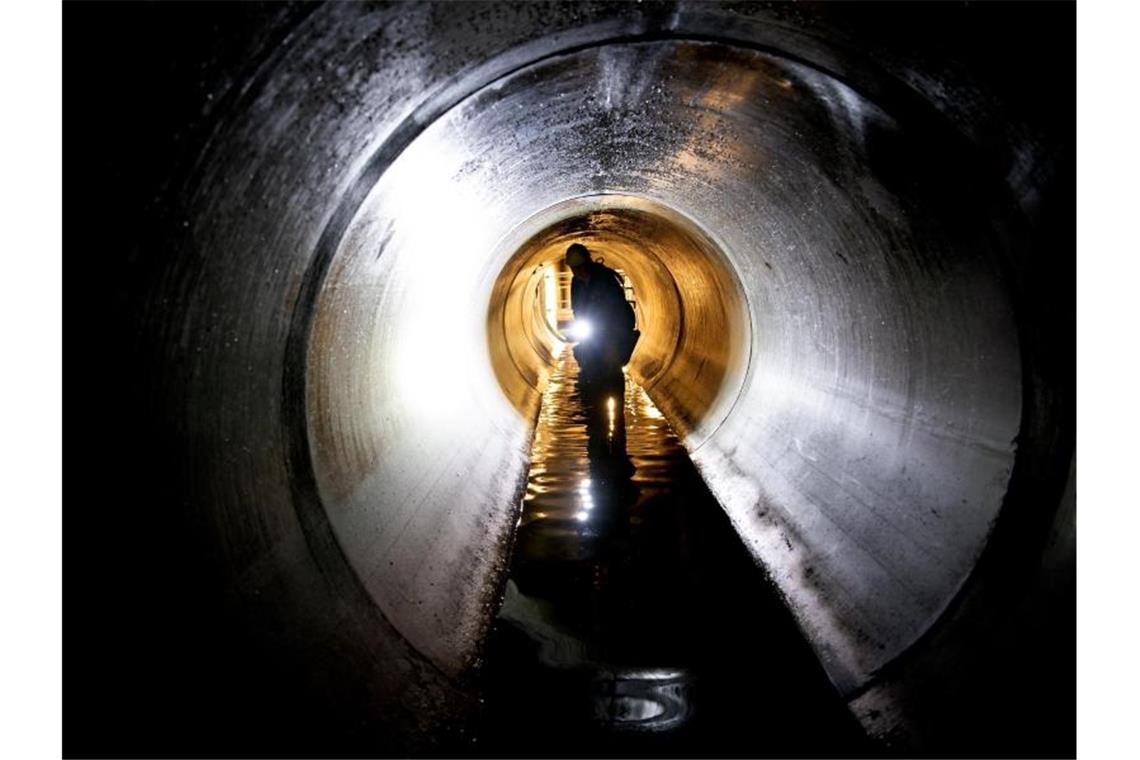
{"points": [[603, 322]]}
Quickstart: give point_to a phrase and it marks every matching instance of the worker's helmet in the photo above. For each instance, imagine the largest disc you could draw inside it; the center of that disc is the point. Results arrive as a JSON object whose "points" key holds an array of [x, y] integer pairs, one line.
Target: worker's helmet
{"points": [[577, 255]]}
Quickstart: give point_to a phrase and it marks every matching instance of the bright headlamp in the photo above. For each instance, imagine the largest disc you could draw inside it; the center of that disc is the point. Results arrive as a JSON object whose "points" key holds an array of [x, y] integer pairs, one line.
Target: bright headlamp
{"points": [[579, 330]]}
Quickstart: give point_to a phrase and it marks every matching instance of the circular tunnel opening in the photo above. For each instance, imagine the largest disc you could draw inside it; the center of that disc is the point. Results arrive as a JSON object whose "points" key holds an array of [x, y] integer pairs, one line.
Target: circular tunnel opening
{"points": [[690, 306]]}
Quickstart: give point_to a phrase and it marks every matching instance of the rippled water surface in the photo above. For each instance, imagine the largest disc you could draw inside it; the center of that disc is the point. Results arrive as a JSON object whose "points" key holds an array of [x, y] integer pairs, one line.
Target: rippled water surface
{"points": [[634, 621]]}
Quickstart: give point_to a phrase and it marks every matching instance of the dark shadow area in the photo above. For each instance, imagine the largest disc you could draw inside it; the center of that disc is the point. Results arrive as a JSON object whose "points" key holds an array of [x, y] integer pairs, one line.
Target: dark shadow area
{"points": [[159, 661]]}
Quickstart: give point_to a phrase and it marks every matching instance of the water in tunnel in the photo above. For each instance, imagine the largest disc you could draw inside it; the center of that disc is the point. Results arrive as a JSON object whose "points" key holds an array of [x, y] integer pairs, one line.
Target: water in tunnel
{"points": [[622, 622], [848, 249]]}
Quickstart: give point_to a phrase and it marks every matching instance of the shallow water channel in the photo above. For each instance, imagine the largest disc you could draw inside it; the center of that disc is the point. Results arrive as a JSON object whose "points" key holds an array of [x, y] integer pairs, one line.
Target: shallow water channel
{"points": [[635, 622]]}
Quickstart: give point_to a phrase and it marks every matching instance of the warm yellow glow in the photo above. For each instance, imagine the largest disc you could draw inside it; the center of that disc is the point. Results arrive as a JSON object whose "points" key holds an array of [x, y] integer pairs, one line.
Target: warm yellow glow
{"points": [[664, 255], [550, 296]]}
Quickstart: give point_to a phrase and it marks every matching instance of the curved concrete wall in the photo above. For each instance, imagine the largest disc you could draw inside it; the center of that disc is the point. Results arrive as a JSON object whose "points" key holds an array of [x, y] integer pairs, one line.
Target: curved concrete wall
{"points": [[354, 226]]}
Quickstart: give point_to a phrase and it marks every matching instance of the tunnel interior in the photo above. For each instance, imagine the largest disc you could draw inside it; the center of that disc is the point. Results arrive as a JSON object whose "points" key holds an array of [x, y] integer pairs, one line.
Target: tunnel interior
{"points": [[849, 260], [695, 334], [846, 380]]}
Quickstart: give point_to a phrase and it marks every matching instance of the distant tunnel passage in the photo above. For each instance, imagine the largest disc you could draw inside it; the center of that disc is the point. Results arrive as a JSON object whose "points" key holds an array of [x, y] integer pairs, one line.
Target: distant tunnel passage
{"points": [[695, 331], [829, 320]]}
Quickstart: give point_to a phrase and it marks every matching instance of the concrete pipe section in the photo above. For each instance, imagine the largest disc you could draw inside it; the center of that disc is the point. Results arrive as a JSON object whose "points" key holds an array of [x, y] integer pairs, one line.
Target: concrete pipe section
{"points": [[831, 277]]}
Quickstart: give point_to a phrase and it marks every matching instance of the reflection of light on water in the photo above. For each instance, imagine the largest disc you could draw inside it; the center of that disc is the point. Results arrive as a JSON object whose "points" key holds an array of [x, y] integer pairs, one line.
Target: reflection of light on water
{"points": [[586, 498], [584, 494], [566, 524], [642, 405]]}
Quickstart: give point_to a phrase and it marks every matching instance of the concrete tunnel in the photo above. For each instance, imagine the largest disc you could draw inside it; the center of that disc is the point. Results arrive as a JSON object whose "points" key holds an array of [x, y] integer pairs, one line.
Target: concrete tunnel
{"points": [[850, 254]]}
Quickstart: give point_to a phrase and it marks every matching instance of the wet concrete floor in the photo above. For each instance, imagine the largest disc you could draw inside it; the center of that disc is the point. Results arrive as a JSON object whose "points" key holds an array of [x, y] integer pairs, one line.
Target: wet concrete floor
{"points": [[635, 621]]}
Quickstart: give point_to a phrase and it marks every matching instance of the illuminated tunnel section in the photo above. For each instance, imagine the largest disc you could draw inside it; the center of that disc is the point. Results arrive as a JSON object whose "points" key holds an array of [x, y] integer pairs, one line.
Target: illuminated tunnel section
{"points": [[693, 350], [828, 294]]}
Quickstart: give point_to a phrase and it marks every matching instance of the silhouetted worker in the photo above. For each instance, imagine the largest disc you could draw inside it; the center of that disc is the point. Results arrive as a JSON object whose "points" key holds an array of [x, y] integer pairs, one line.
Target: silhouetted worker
{"points": [[603, 319]]}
